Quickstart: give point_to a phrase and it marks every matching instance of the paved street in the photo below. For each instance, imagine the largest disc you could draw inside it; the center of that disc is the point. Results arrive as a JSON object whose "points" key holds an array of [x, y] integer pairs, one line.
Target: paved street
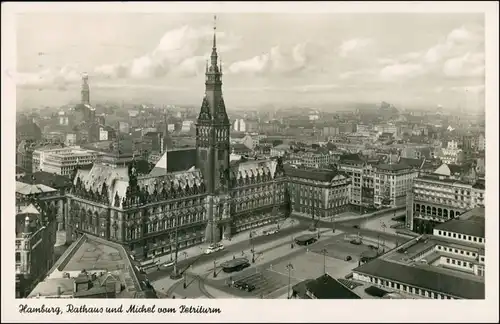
{"points": [[230, 250]]}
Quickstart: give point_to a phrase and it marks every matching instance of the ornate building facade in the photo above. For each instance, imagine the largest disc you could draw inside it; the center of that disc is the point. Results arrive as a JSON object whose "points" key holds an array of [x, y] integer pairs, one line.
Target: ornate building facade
{"points": [[209, 200], [37, 210]]}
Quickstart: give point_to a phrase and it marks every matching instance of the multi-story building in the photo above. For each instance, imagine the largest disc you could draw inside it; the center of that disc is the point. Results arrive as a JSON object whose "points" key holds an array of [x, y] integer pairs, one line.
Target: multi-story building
{"points": [[437, 198], [451, 154], [392, 183], [165, 211], [481, 142], [38, 208], [317, 193], [361, 174], [62, 161], [446, 265], [316, 159], [239, 125]]}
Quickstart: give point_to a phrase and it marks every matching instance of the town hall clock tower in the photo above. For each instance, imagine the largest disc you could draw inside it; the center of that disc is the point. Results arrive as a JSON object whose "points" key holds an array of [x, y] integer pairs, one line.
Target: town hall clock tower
{"points": [[212, 145]]}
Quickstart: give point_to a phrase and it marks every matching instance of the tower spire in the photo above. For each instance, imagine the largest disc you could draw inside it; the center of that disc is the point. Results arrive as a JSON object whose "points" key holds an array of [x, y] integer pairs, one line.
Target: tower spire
{"points": [[215, 29]]}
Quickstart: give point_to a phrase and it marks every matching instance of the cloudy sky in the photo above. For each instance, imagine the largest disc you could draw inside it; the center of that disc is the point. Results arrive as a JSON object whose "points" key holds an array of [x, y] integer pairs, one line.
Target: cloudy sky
{"points": [[426, 59]]}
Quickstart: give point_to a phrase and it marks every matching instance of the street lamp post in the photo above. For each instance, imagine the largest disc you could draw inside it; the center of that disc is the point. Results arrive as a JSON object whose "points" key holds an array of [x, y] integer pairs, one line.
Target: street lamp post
{"points": [[215, 264], [383, 239], [289, 267], [324, 252]]}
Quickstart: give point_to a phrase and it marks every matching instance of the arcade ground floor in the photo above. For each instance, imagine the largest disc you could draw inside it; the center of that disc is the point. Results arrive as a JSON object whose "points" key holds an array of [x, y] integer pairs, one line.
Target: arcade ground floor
{"points": [[163, 244]]}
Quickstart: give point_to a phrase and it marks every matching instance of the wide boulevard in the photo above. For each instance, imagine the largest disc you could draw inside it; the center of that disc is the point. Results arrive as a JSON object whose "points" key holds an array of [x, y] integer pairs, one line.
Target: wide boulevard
{"points": [[346, 226]]}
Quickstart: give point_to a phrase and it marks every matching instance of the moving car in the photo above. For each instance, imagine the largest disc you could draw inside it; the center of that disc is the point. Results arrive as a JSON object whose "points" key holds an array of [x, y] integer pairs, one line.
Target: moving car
{"points": [[348, 258], [356, 242], [214, 248], [271, 231], [167, 264], [243, 286], [356, 226]]}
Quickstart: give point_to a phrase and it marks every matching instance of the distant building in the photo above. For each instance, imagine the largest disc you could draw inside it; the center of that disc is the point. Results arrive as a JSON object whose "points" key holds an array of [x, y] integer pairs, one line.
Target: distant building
{"points": [[124, 127], [449, 264], [239, 125], [28, 131], [481, 142], [186, 125], [71, 139], [315, 159], [280, 150], [62, 161]]}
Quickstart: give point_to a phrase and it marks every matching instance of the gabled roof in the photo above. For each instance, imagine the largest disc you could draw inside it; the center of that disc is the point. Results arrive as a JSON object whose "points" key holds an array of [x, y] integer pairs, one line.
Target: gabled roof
{"points": [[326, 287], [30, 189], [175, 160], [415, 163], [31, 209]]}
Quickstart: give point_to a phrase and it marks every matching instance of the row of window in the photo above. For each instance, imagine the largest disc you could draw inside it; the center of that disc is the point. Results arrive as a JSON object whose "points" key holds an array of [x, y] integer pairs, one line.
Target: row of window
{"points": [[460, 263], [461, 236], [409, 289], [447, 249]]}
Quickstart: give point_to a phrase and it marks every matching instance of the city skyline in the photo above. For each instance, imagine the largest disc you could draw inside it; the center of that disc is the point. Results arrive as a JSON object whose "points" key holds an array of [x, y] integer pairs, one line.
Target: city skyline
{"points": [[326, 58]]}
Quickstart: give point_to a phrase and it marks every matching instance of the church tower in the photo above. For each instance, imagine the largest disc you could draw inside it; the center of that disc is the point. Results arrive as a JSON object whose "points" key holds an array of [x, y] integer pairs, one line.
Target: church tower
{"points": [[85, 90], [212, 150], [212, 129]]}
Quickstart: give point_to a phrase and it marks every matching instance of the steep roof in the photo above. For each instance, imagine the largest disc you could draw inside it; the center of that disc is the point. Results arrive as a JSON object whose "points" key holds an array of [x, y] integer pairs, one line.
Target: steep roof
{"points": [[415, 163], [324, 175], [246, 169], [115, 178], [176, 160]]}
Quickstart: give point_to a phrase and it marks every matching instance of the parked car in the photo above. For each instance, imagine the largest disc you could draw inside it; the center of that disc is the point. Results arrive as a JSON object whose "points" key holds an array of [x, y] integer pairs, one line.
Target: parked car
{"points": [[214, 248], [348, 258], [243, 286], [356, 242]]}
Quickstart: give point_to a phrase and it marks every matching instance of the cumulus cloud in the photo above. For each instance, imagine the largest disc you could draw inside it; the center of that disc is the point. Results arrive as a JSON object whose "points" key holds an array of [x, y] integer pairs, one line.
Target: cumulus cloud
{"points": [[398, 71], [277, 60], [470, 64], [181, 51], [353, 45]]}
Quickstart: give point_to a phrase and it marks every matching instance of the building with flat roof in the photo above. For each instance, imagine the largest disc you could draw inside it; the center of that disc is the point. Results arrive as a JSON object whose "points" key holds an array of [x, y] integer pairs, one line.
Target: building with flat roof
{"points": [[446, 265], [62, 161], [91, 268], [317, 192], [441, 196]]}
